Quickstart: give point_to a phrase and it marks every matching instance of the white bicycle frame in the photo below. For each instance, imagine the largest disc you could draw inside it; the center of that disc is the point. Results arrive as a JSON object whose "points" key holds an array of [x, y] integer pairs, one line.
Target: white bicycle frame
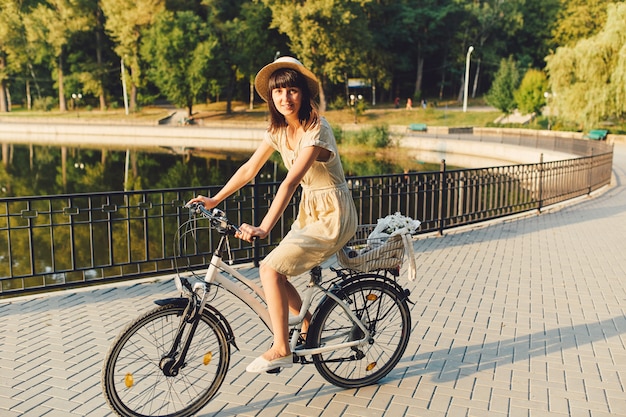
{"points": [[215, 276]]}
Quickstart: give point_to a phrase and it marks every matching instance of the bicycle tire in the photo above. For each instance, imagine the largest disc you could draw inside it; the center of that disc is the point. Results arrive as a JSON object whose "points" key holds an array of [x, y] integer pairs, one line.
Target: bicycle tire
{"points": [[134, 384], [383, 309]]}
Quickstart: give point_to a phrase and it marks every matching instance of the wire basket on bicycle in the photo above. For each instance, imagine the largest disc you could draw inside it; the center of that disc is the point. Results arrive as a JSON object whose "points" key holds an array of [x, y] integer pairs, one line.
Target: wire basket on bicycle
{"points": [[377, 247]]}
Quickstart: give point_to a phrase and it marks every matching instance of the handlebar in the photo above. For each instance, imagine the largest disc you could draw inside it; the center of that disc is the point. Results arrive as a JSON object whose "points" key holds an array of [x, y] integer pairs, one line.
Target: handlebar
{"points": [[216, 217]]}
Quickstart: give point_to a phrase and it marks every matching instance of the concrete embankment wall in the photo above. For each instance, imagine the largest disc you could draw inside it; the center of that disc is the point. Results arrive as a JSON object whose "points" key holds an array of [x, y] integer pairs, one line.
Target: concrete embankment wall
{"points": [[439, 142], [139, 136], [475, 154]]}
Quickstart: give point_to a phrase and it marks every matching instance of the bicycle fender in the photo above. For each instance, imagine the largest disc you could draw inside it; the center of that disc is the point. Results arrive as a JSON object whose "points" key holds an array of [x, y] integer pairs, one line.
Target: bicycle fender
{"points": [[209, 309], [368, 276]]}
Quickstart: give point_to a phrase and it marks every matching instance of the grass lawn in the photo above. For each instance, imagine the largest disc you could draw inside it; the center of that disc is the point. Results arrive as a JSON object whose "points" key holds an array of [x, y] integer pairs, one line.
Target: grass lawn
{"points": [[444, 115]]}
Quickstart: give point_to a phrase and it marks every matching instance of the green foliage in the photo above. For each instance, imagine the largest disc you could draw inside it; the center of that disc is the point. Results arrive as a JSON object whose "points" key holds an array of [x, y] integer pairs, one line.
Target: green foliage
{"points": [[339, 103], [587, 79], [405, 48], [375, 137], [178, 49], [187, 175], [530, 96], [336, 38], [579, 19], [504, 85], [125, 23]]}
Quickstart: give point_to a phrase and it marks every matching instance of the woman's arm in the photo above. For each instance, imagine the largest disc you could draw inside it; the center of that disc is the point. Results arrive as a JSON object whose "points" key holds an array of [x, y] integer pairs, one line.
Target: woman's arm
{"points": [[241, 177], [285, 192]]}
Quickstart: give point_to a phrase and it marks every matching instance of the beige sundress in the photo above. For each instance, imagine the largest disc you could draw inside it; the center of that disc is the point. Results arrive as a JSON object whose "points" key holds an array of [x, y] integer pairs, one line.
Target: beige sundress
{"points": [[327, 217]]}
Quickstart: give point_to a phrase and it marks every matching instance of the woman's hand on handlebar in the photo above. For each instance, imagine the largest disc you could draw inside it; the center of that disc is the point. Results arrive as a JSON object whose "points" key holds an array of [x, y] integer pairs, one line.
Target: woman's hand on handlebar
{"points": [[207, 202], [248, 233]]}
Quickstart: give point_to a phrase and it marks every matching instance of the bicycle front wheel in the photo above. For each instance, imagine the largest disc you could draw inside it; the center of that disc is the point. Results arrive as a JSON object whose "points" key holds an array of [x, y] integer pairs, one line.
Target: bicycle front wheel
{"points": [[134, 383], [382, 308]]}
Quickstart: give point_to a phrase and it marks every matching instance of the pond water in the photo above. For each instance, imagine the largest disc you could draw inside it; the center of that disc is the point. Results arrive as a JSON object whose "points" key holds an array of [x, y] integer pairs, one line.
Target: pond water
{"points": [[28, 170]]}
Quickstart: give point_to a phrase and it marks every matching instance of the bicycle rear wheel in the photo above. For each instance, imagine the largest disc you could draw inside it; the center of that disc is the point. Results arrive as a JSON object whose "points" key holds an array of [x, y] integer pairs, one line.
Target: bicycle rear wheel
{"points": [[383, 310], [133, 382]]}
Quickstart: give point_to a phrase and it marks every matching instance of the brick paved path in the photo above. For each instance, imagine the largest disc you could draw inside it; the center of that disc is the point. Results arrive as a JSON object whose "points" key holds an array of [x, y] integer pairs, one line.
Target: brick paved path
{"points": [[523, 317]]}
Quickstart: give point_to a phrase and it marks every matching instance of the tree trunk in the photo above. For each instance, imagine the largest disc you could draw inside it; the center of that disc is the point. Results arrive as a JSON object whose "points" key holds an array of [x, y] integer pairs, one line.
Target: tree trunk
{"points": [[62, 103], [64, 167], [4, 106], [133, 97], [32, 74], [230, 88], [460, 98], [103, 103], [5, 154], [475, 86], [420, 75], [251, 94], [29, 99], [443, 81]]}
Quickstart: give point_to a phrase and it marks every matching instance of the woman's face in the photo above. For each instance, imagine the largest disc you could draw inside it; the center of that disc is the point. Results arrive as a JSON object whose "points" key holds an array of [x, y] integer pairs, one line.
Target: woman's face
{"points": [[287, 100]]}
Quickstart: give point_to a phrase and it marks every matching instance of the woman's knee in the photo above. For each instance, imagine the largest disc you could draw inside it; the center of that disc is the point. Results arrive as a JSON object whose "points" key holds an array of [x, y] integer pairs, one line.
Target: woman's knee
{"points": [[269, 276]]}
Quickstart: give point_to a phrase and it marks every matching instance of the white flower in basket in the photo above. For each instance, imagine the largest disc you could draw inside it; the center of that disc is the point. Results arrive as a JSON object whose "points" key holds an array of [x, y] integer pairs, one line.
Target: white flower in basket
{"points": [[394, 224], [385, 246]]}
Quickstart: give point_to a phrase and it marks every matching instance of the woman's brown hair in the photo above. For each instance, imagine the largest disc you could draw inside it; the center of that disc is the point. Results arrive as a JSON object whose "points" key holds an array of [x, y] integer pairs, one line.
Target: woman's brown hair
{"points": [[308, 114]]}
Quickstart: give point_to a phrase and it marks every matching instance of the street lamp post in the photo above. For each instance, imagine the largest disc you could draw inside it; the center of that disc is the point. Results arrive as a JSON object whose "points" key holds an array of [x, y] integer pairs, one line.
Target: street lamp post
{"points": [[75, 99], [466, 87], [354, 100]]}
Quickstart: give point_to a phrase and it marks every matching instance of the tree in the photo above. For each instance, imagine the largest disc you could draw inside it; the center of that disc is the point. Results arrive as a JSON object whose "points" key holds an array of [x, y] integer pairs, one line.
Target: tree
{"points": [[505, 83], [51, 26], [125, 22], [11, 28], [488, 26], [530, 96], [421, 25], [254, 36], [330, 37], [244, 42], [177, 49], [533, 41], [579, 19], [587, 79]]}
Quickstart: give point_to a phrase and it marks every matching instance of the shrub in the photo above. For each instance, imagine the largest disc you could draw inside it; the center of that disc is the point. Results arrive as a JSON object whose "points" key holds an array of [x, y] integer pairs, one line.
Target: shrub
{"points": [[43, 103], [374, 137], [530, 94]]}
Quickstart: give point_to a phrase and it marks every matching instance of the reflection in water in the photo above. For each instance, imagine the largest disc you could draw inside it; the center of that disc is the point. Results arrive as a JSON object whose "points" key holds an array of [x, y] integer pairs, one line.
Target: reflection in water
{"points": [[29, 170]]}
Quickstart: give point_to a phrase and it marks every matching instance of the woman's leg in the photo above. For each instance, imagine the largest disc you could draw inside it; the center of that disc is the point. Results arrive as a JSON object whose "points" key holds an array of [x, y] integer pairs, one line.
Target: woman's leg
{"points": [[277, 297], [281, 296], [295, 304]]}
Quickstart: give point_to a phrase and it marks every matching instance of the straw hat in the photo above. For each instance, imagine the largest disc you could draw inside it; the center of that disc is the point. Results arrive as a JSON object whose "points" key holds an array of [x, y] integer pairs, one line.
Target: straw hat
{"points": [[261, 82]]}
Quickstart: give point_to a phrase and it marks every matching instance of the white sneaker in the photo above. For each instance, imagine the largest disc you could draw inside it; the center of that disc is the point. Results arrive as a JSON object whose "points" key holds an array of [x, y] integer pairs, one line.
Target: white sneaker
{"points": [[261, 364]]}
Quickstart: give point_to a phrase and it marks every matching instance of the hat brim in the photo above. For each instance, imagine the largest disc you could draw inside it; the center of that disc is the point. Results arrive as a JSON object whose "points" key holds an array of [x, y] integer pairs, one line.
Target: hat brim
{"points": [[261, 81]]}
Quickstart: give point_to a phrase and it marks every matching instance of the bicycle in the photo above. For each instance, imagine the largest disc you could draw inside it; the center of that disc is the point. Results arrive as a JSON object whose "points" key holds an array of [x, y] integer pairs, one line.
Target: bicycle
{"points": [[172, 360]]}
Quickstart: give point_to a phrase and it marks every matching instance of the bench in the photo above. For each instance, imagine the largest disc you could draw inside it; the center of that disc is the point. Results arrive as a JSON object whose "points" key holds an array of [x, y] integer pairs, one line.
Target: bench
{"points": [[418, 127], [597, 134]]}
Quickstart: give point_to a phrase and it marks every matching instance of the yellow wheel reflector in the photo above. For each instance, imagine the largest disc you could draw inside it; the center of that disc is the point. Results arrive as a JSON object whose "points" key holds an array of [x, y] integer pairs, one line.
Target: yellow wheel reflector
{"points": [[372, 297], [371, 366], [128, 380], [207, 358]]}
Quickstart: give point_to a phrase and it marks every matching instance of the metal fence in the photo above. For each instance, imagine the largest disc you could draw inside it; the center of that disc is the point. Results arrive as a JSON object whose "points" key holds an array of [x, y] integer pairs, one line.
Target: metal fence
{"points": [[63, 241]]}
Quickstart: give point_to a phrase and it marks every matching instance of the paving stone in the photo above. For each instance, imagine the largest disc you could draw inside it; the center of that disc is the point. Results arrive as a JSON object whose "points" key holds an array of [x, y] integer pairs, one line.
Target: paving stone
{"points": [[519, 317]]}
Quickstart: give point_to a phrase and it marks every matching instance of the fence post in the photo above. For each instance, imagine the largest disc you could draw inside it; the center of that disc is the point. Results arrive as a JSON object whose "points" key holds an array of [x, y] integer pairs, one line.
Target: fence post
{"points": [[590, 173], [255, 220], [540, 185], [442, 194]]}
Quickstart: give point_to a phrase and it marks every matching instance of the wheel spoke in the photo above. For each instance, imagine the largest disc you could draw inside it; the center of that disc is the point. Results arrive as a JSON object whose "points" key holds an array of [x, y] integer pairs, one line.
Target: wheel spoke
{"points": [[383, 311], [138, 351]]}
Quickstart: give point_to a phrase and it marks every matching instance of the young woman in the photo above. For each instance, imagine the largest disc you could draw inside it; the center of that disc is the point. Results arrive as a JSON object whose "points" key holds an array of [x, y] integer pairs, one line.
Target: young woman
{"points": [[327, 217]]}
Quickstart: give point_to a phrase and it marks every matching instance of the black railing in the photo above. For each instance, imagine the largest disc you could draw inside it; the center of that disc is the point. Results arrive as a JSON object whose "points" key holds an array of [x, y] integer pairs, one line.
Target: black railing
{"points": [[73, 240]]}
